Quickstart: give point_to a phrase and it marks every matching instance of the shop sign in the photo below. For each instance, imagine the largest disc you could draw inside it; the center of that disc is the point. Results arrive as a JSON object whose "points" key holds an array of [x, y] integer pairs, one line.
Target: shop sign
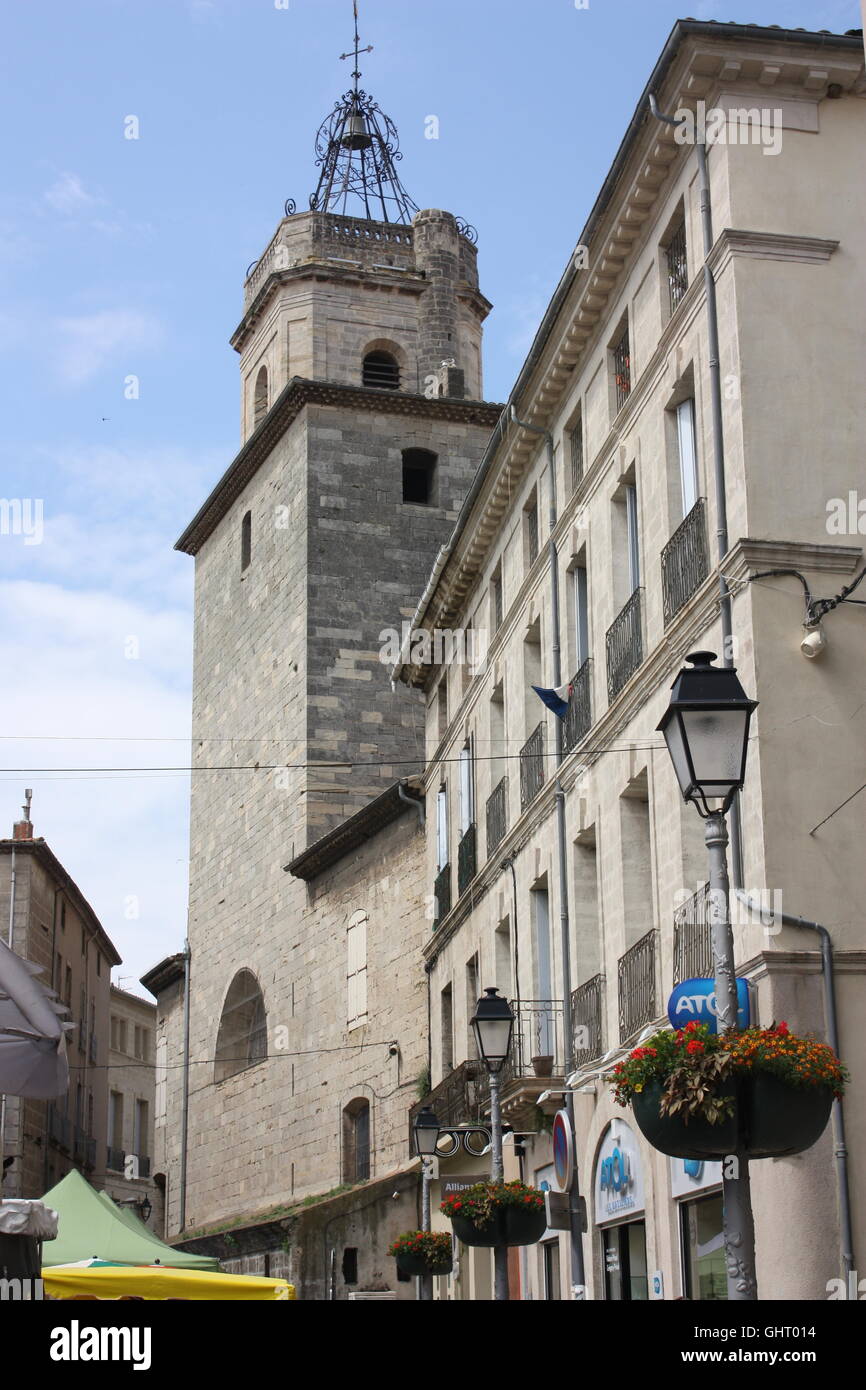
{"points": [[694, 1001], [691, 1175], [619, 1186]]}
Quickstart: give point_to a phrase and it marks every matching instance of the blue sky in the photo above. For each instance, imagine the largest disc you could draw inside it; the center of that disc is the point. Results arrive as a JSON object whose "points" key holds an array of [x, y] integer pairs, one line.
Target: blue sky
{"points": [[125, 258]]}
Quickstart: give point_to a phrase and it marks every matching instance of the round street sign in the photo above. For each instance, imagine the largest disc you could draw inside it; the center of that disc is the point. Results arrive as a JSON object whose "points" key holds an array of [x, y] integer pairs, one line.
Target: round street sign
{"points": [[563, 1150]]}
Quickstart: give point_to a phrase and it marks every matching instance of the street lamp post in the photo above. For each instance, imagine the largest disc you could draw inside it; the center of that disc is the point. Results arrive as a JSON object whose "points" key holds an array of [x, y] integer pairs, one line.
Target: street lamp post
{"points": [[706, 729], [426, 1129], [493, 1023]]}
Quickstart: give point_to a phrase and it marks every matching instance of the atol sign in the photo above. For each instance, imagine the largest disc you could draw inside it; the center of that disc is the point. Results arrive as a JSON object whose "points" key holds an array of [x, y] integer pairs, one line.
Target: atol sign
{"points": [[618, 1175], [694, 1001]]}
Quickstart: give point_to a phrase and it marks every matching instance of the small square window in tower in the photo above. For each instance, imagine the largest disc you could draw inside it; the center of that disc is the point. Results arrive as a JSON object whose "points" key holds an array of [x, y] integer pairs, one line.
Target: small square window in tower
{"points": [[419, 476]]}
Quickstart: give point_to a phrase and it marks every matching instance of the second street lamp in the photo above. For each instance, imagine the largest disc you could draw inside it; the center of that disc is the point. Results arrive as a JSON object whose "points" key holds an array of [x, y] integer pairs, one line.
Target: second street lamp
{"points": [[493, 1023], [706, 729], [426, 1130]]}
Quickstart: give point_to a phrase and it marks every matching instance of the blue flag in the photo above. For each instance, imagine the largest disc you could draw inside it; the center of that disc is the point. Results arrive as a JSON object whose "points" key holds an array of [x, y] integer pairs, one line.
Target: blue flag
{"points": [[556, 699]]}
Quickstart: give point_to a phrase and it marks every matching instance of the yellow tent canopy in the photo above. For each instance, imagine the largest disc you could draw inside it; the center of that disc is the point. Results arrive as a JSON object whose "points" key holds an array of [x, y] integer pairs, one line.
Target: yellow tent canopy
{"points": [[158, 1281]]}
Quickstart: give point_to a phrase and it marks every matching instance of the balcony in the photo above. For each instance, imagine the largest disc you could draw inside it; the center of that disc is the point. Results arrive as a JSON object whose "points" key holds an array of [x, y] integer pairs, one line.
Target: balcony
{"points": [[693, 939], [115, 1159], [457, 1100], [578, 718], [622, 371], [497, 815], [587, 1006], [442, 893], [624, 643], [83, 1148], [678, 275], [59, 1128], [685, 561], [532, 767], [467, 859], [537, 1060], [637, 986]]}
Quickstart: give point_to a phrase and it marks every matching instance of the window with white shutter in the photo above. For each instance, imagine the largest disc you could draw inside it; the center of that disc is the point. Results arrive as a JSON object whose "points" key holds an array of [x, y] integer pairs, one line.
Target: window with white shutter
{"points": [[356, 971]]}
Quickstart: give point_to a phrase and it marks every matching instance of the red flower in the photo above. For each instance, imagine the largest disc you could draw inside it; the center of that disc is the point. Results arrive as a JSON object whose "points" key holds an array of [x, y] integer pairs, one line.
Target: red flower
{"points": [[783, 1029], [691, 1027], [695, 1046]]}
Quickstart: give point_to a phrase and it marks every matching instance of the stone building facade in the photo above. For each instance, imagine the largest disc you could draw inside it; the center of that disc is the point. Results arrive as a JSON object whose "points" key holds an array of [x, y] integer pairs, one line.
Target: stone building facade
{"points": [[55, 927], [129, 1169], [618, 379], [362, 429]]}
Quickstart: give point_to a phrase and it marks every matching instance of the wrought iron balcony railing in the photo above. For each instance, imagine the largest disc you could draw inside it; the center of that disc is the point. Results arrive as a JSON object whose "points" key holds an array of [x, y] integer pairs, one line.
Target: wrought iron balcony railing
{"points": [[678, 275], [693, 938], [537, 1042], [532, 767], [576, 454], [59, 1128], [115, 1159], [578, 718], [685, 561], [587, 1004], [442, 893], [458, 1099], [637, 986], [467, 859], [624, 643], [497, 815], [83, 1148], [622, 370]]}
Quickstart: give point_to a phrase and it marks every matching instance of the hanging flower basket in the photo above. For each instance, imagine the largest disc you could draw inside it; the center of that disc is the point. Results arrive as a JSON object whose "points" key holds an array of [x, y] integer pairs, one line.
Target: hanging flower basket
{"points": [[780, 1119], [491, 1214], [423, 1252], [679, 1137], [763, 1092]]}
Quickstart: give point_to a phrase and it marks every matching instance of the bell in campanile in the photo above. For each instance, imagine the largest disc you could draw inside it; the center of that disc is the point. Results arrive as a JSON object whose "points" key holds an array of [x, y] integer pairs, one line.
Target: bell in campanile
{"points": [[355, 135]]}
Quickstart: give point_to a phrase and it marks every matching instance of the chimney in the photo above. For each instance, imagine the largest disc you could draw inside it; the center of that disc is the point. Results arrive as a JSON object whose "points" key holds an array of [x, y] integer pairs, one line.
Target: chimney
{"points": [[23, 829]]}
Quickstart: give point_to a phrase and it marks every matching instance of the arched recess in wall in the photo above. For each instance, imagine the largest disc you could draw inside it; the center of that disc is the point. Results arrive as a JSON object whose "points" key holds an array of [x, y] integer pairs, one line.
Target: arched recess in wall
{"points": [[260, 397], [356, 1140], [383, 365], [242, 1039]]}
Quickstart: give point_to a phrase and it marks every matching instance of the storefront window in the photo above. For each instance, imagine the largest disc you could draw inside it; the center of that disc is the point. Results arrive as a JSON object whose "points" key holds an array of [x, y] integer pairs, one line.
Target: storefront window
{"points": [[550, 1253], [703, 1248], [625, 1270]]}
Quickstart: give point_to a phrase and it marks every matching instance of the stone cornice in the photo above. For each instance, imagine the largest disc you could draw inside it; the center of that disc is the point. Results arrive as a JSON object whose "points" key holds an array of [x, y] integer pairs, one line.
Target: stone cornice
{"points": [[769, 246], [749, 554], [299, 393]]}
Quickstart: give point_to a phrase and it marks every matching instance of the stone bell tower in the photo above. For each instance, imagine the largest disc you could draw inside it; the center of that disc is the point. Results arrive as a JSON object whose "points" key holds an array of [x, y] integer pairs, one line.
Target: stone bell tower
{"points": [[362, 426]]}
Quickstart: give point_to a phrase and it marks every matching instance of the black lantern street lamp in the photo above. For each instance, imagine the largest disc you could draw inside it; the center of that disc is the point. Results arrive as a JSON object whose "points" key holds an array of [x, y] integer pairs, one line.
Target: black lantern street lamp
{"points": [[493, 1023], [426, 1129], [706, 729]]}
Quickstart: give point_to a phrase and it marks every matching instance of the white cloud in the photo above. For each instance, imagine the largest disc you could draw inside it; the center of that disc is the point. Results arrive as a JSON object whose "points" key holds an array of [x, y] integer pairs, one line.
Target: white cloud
{"points": [[89, 342], [68, 196]]}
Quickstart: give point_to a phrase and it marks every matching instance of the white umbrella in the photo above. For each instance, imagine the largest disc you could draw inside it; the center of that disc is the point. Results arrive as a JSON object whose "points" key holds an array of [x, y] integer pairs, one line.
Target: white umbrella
{"points": [[32, 1032]]}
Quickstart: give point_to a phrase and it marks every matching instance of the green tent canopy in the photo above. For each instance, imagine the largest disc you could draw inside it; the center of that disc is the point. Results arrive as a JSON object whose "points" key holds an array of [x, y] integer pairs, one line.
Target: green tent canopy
{"points": [[92, 1226]]}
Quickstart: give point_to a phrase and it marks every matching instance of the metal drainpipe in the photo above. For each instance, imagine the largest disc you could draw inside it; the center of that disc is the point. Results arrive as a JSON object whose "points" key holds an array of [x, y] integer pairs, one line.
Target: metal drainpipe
{"points": [[840, 1150], [184, 1132], [718, 453], [412, 801], [578, 1277], [9, 943]]}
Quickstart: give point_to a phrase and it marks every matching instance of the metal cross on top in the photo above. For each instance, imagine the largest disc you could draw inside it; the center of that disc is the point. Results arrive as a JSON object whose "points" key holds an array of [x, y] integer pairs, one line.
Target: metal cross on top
{"points": [[356, 50]]}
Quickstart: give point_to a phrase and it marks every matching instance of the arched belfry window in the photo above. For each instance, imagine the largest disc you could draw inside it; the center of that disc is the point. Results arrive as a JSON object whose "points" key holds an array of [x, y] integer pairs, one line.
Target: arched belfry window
{"points": [[260, 397], [246, 540], [356, 1140], [381, 370], [242, 1039], [419, 474]]}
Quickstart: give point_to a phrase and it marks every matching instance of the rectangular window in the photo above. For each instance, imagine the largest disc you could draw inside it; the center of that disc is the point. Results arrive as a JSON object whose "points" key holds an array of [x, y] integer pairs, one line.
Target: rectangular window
{"points": [[471, 1001], [67, 988], [447, 1021], [531, 523], [442, 827], [678, 275], [356, 972], [552, 1282], [139, 1138], [496, 598], [621, 369], [467, 791], [577, 451], [442, 708], [115, 1121], [633, 537], [703, 1246], [581, 616], [688, 456], [246, 540]]}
